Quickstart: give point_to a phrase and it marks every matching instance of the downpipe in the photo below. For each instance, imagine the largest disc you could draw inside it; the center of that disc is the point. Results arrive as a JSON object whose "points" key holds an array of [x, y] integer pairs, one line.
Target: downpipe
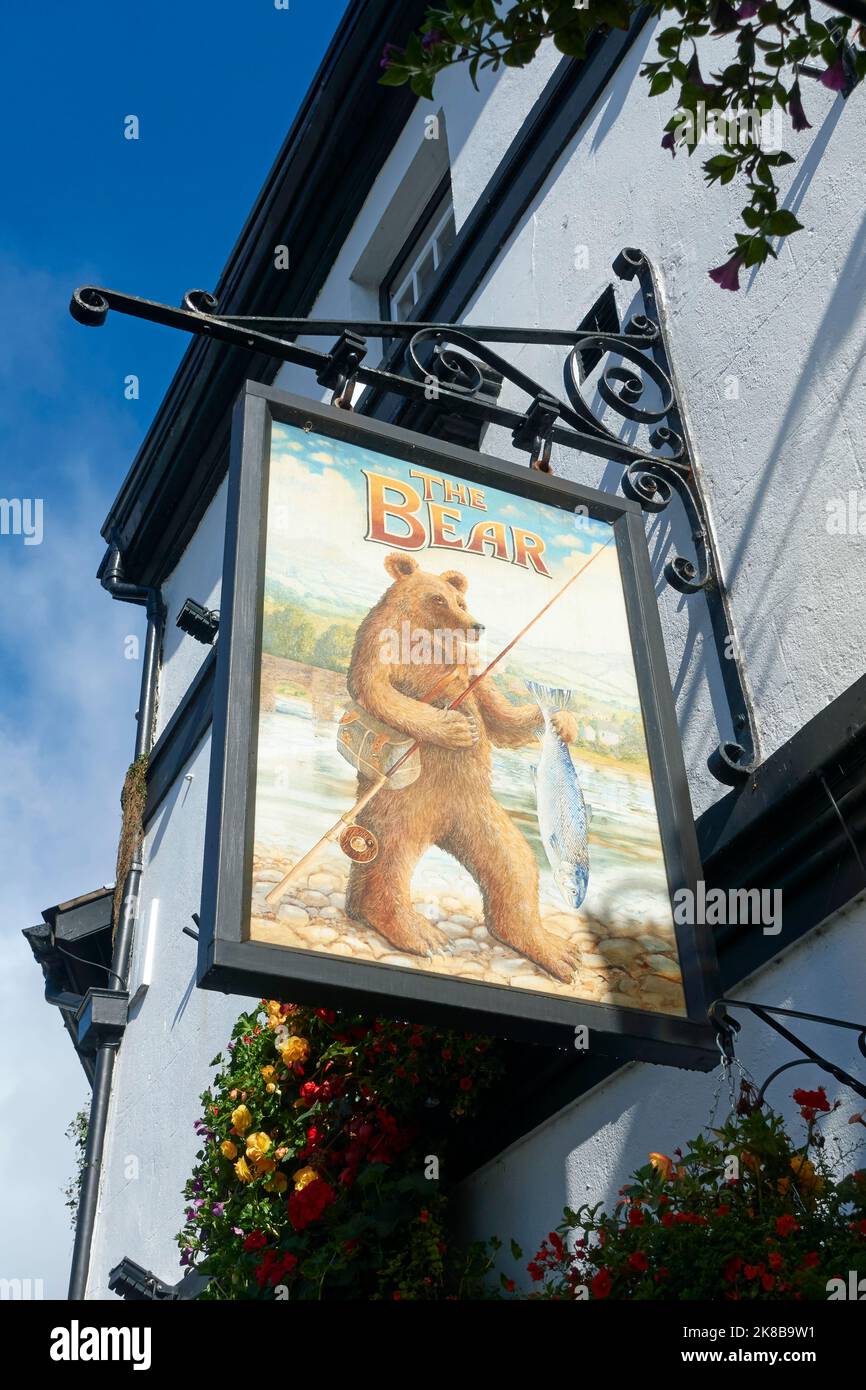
{"points": [[150, 598]]}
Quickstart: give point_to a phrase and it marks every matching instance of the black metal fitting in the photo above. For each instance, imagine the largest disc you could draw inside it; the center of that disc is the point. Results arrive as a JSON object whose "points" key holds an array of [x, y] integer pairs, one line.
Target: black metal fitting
{"points": [[342, 362], [533, 433], [198, 622]]}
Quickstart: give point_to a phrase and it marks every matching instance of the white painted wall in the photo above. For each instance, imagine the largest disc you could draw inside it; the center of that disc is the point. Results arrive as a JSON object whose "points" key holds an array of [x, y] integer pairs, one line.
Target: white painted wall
{"points": [[197, 575], [793, 339], [586, 1153]]}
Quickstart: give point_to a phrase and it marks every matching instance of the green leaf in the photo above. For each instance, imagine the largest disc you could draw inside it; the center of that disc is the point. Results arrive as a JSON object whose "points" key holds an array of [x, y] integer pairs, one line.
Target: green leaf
{"points": [[422, 85], [782, 223], [516, 1251], [660, 83], [570, 42], [394, 77], [757, 249]]}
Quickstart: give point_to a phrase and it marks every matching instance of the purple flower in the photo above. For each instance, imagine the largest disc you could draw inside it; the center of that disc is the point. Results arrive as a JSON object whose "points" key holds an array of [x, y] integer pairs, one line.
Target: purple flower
{"points": [[186, 1257], [198, 1203], [795, 110], [834, 77], [219, 1208], [197, 1185], [236, 1231], [723, 17], [727, 275], [694, 77], [748, 9], [669, 143], [431, 39], [386, 60]]}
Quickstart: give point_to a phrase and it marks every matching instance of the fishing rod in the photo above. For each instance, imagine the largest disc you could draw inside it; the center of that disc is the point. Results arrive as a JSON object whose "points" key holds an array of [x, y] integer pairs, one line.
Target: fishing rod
{"points": [[356, 841]]}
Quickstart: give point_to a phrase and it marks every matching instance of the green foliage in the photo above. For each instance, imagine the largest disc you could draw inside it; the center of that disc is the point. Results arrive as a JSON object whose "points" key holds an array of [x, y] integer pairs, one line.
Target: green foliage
{"points": [[745, 1214], [76, 1130], [333, 647], [287, 632], [771, 43], [323, 1167]]}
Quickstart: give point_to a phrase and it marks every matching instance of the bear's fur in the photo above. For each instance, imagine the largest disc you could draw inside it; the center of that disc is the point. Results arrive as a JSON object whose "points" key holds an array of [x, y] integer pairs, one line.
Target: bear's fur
{"points": [[451, 804]]}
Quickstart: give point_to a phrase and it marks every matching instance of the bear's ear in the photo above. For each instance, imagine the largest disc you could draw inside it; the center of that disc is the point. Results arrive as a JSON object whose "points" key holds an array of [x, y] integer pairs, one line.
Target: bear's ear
{"points": [[398, 566], [460, 582]]}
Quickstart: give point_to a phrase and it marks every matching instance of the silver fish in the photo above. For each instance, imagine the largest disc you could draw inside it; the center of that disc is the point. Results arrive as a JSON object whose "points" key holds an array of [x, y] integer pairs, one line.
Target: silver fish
{"points": [[563, 815]]}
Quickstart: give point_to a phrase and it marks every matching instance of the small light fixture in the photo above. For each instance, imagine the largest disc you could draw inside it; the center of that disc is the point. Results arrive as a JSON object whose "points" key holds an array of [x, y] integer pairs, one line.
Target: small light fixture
{"points": [[199, 622]]}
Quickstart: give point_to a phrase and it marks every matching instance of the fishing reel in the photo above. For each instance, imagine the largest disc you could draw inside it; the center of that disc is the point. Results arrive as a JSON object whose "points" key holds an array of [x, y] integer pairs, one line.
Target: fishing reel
{"points": [[359, 844]]}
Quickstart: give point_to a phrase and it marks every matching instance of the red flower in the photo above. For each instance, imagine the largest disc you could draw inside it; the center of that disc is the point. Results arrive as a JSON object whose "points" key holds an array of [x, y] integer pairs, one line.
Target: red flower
{"points": [[638, 1260], [534, 1271], [723, 1209], [601, 1284], [768, 1281], [732, 1268], [509, 1284], [274, 1268], [811, 1260], [775, 1261], [310, 1203], [466, 1083], [255, 1240], [815, 1101], [424, 1216], [786, 1225], [635, 1217]]}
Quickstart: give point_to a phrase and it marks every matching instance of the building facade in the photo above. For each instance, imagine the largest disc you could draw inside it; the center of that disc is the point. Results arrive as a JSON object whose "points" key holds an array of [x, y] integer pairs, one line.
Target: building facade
{"points": [[509, 206]]}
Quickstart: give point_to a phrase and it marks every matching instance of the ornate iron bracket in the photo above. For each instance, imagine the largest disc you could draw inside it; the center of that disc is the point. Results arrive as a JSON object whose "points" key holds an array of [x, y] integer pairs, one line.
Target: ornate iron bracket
{"points": [[727, 1029], [453, 366]]}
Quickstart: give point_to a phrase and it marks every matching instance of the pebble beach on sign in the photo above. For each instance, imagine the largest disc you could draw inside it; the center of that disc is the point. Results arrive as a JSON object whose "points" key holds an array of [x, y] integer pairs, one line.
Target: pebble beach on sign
{"points": [[624, 932]]}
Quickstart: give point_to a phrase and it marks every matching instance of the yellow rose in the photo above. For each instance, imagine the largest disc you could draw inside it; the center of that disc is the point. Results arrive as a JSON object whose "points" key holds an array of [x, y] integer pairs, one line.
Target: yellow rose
{"points": [[304, 1177], [269, 1073], [265, 1165], [294, 1049], [228, 1149], [663, 1165], [278, 1183], [257, 1145], [242, 1170], [270, 1088], [241, 1119], [804, 1171]]}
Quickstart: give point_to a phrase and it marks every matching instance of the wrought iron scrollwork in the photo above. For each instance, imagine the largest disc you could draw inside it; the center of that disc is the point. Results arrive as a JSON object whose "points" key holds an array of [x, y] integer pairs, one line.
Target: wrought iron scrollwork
{"points": [[727, 1027], [467, 371]]}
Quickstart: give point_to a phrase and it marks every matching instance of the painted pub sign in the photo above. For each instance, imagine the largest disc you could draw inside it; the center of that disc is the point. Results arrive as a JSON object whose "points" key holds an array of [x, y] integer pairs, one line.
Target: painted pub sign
{"points": [[446, 778]]}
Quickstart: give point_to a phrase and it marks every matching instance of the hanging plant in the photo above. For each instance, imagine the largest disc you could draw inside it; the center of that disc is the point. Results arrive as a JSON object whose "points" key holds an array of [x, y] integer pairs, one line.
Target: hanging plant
{"points": [[746, 1213], [772, 45], [322, 1169]]}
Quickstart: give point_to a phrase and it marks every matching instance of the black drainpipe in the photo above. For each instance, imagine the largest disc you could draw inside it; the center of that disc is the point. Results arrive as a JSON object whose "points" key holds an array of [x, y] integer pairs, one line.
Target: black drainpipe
{"points": [[111, 576]]}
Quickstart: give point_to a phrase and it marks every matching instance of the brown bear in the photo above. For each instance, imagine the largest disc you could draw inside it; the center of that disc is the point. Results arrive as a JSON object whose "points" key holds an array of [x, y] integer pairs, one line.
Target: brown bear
{"points": [[451, 803]]}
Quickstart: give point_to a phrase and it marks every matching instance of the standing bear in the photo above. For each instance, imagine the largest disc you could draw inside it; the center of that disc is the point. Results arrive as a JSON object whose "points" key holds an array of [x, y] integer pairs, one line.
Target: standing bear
{"points": [[451, 802]]}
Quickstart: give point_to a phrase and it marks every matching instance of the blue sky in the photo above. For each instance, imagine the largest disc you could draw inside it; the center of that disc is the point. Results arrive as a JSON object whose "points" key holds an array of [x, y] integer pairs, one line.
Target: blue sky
{"points": [[215, 88]]}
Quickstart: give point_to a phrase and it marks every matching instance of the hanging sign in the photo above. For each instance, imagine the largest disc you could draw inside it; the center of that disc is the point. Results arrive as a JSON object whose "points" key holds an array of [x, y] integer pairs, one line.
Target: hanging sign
{"points": [[446, 778]]}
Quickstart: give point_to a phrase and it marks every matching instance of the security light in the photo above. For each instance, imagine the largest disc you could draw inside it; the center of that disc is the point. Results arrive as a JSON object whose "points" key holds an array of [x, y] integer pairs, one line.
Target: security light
{"points": [[198, 622]]}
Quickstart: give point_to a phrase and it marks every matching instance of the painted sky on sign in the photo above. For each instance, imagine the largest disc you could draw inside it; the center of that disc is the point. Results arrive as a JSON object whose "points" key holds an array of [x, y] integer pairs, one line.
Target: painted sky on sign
{"points": [[316, 550]]}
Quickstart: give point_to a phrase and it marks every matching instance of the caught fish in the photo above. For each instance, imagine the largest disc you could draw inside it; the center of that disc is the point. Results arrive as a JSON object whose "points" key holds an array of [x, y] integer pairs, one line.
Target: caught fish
{"points": [[563, 815]]}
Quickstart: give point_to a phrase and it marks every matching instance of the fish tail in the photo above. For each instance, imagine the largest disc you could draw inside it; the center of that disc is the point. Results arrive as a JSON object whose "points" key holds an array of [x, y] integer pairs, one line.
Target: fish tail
{"points": [[550, 697]]}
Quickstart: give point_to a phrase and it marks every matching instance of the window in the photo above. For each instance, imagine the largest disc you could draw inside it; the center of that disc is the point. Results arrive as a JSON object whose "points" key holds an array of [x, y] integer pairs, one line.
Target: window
{"points": [[420, 258]]}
